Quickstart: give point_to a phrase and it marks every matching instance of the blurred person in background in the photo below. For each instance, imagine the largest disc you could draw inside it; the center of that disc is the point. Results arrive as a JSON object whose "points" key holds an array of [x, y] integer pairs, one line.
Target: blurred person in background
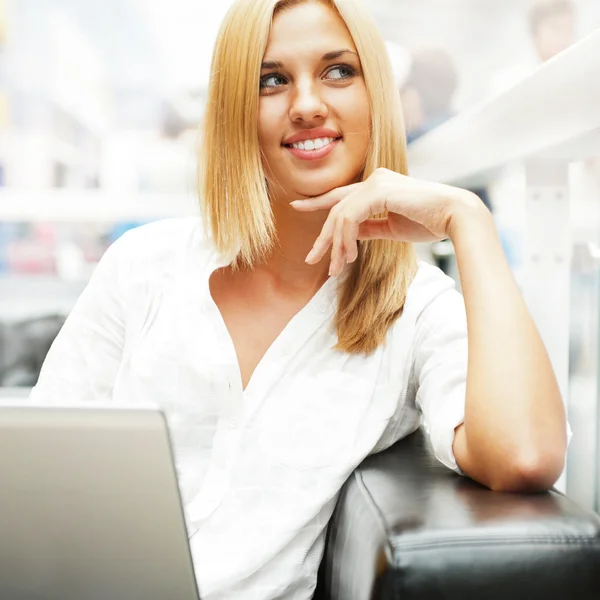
{"points": [[553, 29], [429, 91], [552, 26], [427, 97], [288, 334]]}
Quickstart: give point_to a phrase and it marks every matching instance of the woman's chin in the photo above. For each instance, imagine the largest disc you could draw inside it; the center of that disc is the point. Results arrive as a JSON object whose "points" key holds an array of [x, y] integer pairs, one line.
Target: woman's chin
{"points": [[310, 189]]}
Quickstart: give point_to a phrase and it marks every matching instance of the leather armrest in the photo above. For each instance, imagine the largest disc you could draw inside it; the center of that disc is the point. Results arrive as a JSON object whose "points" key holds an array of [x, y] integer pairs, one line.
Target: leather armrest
{"points": [[406, 527]]}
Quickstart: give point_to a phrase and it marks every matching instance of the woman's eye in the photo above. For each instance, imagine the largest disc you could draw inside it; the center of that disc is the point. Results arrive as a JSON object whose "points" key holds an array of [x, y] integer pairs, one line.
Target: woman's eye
{"points": [[272, 81], [341, 72]]}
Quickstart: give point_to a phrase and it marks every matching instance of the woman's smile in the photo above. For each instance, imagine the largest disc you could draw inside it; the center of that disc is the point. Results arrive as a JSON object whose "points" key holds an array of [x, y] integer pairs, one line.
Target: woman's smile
{"points": [[313, 144]]}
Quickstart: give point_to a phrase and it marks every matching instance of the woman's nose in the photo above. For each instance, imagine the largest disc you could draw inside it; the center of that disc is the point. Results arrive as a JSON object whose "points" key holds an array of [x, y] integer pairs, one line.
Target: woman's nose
{"points": [[307, 103]]}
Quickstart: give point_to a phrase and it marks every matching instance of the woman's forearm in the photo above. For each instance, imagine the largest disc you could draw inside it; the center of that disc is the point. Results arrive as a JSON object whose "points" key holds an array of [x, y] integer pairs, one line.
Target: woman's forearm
{"points": [[514, 435]]}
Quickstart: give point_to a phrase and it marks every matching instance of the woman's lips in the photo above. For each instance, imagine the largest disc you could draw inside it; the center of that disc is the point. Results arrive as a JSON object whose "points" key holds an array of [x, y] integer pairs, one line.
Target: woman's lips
{"points": [[313, 154]]}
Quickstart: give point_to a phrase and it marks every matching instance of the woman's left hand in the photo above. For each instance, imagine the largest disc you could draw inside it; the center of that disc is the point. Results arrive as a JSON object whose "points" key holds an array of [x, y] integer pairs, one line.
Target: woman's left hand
{"points": [[418, 211]]}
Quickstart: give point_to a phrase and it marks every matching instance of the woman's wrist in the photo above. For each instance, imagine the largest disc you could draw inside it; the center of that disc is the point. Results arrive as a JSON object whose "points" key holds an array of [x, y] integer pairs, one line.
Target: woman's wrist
{"points": [[466, 212]]}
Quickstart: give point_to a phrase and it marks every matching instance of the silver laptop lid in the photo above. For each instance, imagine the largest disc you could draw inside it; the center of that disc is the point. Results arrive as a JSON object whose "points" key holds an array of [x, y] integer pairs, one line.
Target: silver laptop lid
{"points": [[89, 506]]}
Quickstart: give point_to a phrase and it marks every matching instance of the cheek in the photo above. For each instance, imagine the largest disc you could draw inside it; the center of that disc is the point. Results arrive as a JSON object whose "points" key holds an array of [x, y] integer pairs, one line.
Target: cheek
{"points": [[364, 122], [265, 128], [357, 114], [364, 113], [269, 124], [360, 128]]}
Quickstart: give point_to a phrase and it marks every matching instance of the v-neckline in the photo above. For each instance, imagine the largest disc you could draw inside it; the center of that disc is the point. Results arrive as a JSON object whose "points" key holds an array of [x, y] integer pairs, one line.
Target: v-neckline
{"points": [[321, 305]]}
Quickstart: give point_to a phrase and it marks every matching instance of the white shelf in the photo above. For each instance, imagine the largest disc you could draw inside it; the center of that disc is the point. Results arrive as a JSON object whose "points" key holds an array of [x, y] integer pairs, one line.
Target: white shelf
{"points": [[555, 112], [94, 206]]}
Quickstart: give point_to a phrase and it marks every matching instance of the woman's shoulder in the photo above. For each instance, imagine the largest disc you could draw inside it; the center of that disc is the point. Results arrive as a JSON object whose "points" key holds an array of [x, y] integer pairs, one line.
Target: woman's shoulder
{"points": [[164, 239], [430, 287], [430, 280], [157, 250], [162, 234], [151, 257]]}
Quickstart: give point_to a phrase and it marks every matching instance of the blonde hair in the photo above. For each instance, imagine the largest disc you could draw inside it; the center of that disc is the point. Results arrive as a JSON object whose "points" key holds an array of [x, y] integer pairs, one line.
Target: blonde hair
{"points": [[232, 182]]}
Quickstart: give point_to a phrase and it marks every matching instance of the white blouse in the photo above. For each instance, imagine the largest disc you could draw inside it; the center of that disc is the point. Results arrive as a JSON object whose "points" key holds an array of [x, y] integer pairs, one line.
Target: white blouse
{"points": [[260, 469]]}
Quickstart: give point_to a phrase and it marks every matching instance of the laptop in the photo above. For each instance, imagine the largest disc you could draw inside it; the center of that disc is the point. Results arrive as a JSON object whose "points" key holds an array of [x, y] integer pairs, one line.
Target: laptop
{"points": [[90, 506]]}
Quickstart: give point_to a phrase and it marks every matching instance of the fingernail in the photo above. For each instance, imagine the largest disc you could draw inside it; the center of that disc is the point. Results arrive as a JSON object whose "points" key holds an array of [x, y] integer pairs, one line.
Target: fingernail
{"points": [[310, 255]]}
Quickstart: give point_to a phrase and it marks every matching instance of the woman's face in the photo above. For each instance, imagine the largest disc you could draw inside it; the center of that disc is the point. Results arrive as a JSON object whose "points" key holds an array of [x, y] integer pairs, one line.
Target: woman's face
{"points": [[314, 116]]}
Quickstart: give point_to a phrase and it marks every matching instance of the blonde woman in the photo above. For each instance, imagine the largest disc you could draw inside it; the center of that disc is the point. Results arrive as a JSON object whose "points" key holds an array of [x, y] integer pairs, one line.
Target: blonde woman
{"points": [[292, 332]]}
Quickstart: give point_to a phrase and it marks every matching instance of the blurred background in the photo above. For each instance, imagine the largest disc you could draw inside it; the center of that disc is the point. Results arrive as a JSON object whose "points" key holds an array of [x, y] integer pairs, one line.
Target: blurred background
{"points": [[100, 104]]}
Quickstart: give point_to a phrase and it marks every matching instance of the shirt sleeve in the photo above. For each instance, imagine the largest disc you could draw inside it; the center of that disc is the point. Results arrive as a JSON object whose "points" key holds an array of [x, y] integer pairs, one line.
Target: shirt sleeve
{"points": [[440, 371], [83, 361]]}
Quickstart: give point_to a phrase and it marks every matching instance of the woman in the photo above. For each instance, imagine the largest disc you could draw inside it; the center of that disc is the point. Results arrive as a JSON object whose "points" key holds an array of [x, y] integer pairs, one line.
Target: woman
{"points": [[283, 350]]}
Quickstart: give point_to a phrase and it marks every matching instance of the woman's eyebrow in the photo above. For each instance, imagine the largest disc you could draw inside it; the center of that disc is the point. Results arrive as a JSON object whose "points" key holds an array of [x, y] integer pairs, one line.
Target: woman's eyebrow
{"points": [[336, 54], [273, 64]]}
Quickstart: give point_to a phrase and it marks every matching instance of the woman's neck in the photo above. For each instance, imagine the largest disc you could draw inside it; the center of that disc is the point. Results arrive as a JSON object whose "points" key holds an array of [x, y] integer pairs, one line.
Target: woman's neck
{"points": [[296, 234]]}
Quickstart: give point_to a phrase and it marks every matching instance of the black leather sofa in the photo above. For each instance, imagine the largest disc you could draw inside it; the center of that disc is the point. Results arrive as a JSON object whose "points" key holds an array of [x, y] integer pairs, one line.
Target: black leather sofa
{"points": [[407, 528], [23, 348]]}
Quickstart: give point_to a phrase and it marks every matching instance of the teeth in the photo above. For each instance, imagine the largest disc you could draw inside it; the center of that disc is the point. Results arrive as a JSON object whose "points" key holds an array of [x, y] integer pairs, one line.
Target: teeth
{"points": [[313, 144]]}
